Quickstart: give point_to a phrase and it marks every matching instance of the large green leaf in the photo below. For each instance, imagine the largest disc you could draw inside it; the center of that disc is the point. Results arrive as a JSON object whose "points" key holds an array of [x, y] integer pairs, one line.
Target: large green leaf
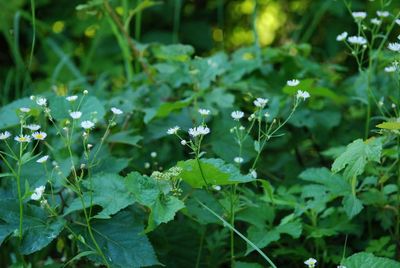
{"points": [[333, 182], [364, 259], [122, 241], [8, 113], [163, 211], [357, 155], [211, 171], [352, 205]]}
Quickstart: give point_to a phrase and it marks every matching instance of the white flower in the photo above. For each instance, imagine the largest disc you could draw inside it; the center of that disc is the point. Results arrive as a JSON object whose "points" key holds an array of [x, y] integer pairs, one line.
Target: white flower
{"points": [[72, 98], [173, 130], [310, 262], [23, 138], [5, 135], [260, 102], [153, 154], [217, 187], [394, 47], [382, 14], [183, 142], [267, 115], [85, 92], [390, 69], [43, 203], [376, 21], [32, 97], [200, 130], [32, 127], [358, 40], [342, 36], [75, 115], [39, 135], [41, 101], [238, 159], [293, 82], [341, 266], [253, 173], [42, 159], [147, 165], [89, 146], [87, 124], [38, 192], [236, 115], [397, 21], [24, 109], [302, 94], [116, 111], [359, 15], [204, 112]]}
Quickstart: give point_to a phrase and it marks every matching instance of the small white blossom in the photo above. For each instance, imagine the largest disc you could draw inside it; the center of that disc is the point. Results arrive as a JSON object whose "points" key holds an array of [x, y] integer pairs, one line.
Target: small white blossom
{"points": [[253, 173], [147, 165], [359, 15], [310, 262], [237, 115], [85, 92], [204, 112], [382, 14], [342, 36], [72, 98], [153, 154], [397, 22], [5, 135], [238, 159], [260, 102], [75, 115], [302, 94], [200, 130], [25, 109], [241, 128], [358, 40], [43, 203], [341, 266], [376, 21], [217, 187], [173, 130], [390, 69], [293, 82], [32, 127], [267, 115], [32, 97], [394, 47], [87, 124], [39, 135], [42, 159], [38, 192], [183, 142], [41, 101], [89, 146], [22, 138], [116, 111]]}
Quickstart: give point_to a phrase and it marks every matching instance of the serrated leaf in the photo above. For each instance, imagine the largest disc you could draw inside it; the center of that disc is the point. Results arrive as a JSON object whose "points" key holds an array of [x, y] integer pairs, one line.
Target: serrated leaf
{"points": [[215, 172], [352, 205], [163, 211], [357, 155], [389, 125], [364, 259]]}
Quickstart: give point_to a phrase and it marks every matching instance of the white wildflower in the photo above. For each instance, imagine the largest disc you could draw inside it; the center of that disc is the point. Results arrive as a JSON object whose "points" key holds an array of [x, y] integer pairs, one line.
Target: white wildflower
{"points": [[41, 101], [22, 138], [173, 130], [217, 187], [390, 69], [5, 135], [302, 94], [87, 124], [75, 115], [147, 165], [39, 135], [397, 22], [25, 109], [358, 40], [72, 98], [260, 102], [310, 262], [238, 159], [236, 115], [204, 112], [293, 82], [200, 130], [116, 111], [183, 142], [32, 127], [359, 15], [342, 36], [382, 14], [38, 192], [394, 47], [153, 154], [42, 159], [253, 173], [85, 92], [267, 115], [376, 21]]}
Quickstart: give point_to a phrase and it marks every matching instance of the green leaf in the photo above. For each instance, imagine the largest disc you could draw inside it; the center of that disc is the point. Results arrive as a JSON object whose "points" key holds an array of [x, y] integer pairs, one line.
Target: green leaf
{"points": [[122, 241], [8, 113], [215, 172], [333, 182], [163, 211], [125, 137], [364, 259], [352, 205], [108, 191], [173, 52], [357, 155], [389, 125], [165, 109], [144, 189]]}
